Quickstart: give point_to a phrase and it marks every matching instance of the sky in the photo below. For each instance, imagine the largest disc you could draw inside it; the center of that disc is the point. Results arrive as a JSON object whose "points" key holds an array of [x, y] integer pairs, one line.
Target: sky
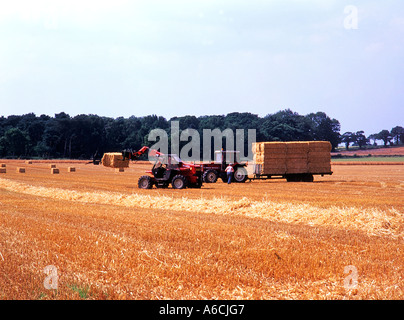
{"points": [[205, 57]]}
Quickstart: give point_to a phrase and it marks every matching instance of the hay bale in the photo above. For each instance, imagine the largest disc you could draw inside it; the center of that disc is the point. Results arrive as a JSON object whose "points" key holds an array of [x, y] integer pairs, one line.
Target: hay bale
{"points": [[52, 166], [2, 165], [119, 170], [3, 170], [320, 146], [114, 160], [28, 162], [71, 169], [20, 170], [54, 171]]}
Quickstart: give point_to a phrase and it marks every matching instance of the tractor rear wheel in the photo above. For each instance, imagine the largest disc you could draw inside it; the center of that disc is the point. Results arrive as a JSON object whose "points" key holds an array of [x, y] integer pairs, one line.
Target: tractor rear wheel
{"points": [[210, 176], [240, 175], [145, 182], [179, 182]]}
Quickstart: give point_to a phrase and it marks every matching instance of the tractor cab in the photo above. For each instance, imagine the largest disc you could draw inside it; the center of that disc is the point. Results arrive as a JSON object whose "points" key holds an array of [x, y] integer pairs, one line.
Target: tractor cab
{"points": [[226, 157], [164, 166]]}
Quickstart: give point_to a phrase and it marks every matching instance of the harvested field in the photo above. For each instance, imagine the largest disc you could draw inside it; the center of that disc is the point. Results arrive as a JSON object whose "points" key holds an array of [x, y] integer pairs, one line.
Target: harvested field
{"points": [[258, 240]]}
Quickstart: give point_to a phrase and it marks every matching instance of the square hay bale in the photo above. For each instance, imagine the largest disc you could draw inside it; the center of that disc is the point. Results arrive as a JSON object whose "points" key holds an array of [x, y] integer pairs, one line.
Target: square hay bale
{"points": [[119, 170], [320, 146], [316, 155], [114, 160], [54, 171], [297, 149], [52, 166], [3, 170], [3, 165], [20, 170], [28, 162], [320, 169], [71, 169]]}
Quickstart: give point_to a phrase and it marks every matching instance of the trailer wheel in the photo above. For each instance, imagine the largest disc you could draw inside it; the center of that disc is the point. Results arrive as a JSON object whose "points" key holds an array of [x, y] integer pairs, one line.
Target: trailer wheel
{"points": [[145, 182], [240, 175], [210, 176], [179, 182]]}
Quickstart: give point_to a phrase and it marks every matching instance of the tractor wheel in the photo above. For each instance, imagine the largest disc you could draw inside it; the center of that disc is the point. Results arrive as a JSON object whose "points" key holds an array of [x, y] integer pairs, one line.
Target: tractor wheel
{"points": [[145, 182], [179, 182], [210, 176], [240, 175]]}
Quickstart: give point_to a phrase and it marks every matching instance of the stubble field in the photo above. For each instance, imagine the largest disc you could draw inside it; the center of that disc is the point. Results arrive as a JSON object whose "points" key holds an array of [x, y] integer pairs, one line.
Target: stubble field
{"points": [[340, 237]]}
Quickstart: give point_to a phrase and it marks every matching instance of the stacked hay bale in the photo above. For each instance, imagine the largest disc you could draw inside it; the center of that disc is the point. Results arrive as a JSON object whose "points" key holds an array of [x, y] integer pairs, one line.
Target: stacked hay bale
{"points": [[114, 160], [278, 158], [296, 157], [319, 156], [271, 157]]}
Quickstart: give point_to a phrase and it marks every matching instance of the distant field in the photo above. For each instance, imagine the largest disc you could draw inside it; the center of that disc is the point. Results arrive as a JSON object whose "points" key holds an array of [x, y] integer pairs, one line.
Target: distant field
{"points": [[271, 239], [370, 159], [399, 151]]}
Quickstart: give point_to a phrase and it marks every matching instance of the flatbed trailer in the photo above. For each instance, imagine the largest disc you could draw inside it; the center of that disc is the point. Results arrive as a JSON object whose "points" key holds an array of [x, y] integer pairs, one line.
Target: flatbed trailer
{"points": [[291, 177]]}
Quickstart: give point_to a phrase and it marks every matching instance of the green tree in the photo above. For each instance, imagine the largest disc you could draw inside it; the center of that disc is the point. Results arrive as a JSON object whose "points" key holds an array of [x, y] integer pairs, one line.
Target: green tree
{"points": [[385, 136], [347, 138], [361, 139], [16, 141], [397, 133], [374, 138], [324, 128], [286, 125]]}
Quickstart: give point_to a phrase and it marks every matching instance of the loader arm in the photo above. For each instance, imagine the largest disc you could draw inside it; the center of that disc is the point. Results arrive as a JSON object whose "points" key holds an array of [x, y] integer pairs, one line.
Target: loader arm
{"points": [[135, 155]]}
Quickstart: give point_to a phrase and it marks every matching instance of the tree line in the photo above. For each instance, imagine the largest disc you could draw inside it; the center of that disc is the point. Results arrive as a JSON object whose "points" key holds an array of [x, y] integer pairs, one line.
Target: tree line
{"points": [[83, 136], [388, 137]]}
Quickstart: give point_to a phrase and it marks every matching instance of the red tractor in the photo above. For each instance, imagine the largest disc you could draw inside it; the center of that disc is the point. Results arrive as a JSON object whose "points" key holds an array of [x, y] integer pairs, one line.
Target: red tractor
{"points": [[167, 169], [214, 170]]}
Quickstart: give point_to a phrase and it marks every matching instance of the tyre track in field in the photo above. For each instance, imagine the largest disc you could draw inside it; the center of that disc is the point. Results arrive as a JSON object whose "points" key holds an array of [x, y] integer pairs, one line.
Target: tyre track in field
{"points": [[372, 221]]}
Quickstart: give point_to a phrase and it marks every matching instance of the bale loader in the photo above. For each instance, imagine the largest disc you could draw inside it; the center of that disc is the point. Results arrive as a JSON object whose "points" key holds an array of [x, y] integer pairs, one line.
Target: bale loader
{"points": [[167, 169]]}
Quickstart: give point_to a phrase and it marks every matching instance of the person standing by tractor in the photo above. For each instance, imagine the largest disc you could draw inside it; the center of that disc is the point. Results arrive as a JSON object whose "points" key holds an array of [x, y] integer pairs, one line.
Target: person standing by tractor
{"points": [[230, 171]]}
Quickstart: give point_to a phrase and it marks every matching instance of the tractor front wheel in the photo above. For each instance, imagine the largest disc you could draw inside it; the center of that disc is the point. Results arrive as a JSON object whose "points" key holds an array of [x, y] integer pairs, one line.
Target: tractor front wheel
{"points": [[145, 182], [179, 182]]}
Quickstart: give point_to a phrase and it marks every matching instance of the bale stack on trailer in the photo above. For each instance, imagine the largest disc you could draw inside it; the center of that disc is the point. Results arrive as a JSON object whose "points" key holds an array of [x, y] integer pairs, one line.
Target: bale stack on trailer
{"points": [[295, 161], [114, 160], [319, 157], [271, 157], [297, 157]]}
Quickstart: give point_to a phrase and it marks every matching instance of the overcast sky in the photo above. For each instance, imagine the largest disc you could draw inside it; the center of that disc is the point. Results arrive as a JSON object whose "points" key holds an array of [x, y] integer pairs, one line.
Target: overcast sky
{"points": [[203, 57]]}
